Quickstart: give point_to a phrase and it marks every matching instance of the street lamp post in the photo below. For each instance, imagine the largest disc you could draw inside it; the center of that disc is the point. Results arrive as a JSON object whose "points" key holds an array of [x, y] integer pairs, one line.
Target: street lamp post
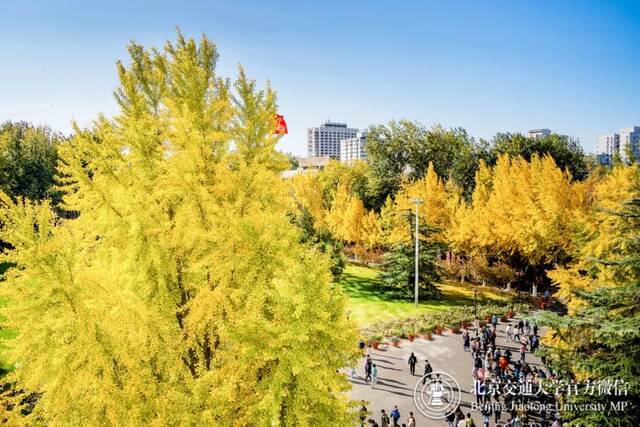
{"points": [[475, 304], [417, 202]]}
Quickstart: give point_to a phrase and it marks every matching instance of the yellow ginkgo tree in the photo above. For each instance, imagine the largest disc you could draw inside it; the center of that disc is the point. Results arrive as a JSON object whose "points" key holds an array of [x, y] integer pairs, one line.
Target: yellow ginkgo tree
{"points": [[180, 293]]}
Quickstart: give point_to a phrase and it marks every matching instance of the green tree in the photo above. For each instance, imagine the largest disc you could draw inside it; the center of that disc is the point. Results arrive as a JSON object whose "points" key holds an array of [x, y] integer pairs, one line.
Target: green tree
{"points": [[405, 147], [320, 238], [565, 151], [398, 266], [28, 157], [181, 294]]}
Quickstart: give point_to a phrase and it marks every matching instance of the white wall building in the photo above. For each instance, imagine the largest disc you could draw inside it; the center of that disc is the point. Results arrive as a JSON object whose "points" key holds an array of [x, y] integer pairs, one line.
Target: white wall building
{"points": [[539, 133], [608, 145], [325, 139], [353, 149], [614, 143], [630, 136]]}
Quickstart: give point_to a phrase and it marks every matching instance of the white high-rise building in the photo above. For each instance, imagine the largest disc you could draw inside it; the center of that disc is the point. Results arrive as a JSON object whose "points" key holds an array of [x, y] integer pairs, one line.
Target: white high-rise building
{"points": [[325, 140], [608, 146], [352, 149], [615, 143], [630, 136], [539, 133]]}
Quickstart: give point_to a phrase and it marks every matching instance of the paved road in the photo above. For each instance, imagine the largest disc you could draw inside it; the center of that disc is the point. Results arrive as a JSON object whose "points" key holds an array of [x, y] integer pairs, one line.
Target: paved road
{"points": [[395, 382]]}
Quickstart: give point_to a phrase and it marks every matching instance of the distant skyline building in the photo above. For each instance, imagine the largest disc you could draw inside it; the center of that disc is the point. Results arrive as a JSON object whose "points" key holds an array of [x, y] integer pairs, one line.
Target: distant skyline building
{"points": [[353, 149], [630, 136], [608, 145], [539, 133], [325, 140], [614, 143]]}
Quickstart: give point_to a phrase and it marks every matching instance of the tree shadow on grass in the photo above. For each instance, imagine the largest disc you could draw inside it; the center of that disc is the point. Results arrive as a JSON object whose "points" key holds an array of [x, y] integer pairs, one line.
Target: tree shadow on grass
{"points": [[374, 289], [369, 288]]}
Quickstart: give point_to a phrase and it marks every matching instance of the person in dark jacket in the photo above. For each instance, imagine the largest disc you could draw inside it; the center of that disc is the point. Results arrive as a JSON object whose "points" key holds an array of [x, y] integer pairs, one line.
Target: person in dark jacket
{"points": [[412, 363]]}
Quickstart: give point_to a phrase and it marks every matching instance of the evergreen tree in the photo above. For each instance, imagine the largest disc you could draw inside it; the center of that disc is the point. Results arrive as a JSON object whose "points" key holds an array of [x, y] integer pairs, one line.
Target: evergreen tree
{"points": [[320, 238], [398, 266], [181, 295]]}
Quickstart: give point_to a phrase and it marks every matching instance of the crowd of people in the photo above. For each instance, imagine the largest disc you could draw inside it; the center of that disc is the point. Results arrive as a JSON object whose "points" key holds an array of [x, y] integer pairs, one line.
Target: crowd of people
{"points": [[505, 384]]}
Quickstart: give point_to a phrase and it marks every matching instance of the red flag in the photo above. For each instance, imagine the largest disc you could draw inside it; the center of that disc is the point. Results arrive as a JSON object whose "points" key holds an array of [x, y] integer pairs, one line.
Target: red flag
{"points": [[281, 125]]}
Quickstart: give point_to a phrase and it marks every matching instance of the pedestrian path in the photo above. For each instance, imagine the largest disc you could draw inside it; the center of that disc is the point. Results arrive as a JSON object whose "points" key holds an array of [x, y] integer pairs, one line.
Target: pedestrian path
{"points": [[395, 384]]}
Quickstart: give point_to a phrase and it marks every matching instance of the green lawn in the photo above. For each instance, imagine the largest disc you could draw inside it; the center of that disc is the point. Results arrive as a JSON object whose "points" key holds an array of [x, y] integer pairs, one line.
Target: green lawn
{"points": [[370, 300], [4, 333]]}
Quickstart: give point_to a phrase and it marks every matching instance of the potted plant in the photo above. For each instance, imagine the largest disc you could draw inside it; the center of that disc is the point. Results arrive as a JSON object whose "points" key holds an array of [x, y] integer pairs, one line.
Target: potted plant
{"points": [[465, 324], [404, 333], [438, 330], [411, 336], [426, 330], [510, 314], [375, 341], [395, 341]]}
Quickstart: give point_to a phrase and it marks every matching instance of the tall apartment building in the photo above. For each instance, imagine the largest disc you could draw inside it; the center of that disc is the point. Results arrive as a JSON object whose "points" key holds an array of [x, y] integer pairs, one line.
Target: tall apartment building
{"points": [[630, 136], [608, 145], [352, 149], [614, 143], [539, 133], [325, 140]]}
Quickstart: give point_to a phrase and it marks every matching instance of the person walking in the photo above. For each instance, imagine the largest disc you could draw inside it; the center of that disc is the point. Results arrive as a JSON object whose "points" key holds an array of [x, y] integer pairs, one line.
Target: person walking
{"points": [[384, 419], [411, 422], [521, 326], [509, 332], [395, 416], [427, 371], [535, 342], [374, 375], [412, 363], [480, 391], [450, 420], [363, 414], [469, 422], [486, 416], [367, 369], [494, 321], [466, 342], [523, 351]]}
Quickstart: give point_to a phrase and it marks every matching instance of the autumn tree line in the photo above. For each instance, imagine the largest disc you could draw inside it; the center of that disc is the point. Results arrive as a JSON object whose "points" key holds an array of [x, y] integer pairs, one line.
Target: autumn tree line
{"points": [[162, 272], [514, 211], [501, 211]]}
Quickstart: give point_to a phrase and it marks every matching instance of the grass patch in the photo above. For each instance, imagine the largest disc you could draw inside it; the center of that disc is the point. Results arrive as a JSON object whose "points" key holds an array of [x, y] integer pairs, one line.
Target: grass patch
{"points": [[5, 334], [370, 300]]}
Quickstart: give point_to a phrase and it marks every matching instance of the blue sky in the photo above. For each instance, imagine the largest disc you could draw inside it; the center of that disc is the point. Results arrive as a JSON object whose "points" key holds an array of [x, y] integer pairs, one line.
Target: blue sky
{"points": [[571, 66]]}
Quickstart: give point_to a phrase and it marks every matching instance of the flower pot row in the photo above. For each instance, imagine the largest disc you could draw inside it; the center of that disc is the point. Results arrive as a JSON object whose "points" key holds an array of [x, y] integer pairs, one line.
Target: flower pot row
{"points": [[426, 326]]}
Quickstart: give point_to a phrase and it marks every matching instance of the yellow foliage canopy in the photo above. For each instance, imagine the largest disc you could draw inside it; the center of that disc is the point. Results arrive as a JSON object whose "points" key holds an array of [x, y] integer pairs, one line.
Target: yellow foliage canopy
{"points": [[181, 294]]}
